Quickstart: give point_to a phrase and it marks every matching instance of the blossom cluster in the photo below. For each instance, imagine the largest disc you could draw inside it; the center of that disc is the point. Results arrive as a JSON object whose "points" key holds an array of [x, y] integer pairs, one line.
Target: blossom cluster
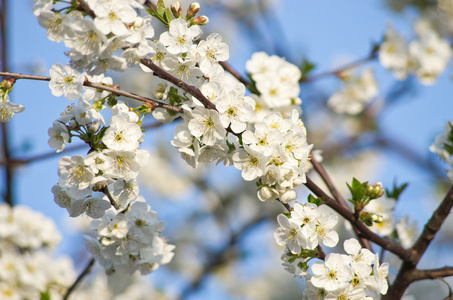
{"points": [[426, 57], [382, 212], [355, 275], [355, 95], [277, 85], [350, 276], [104, 184], [27, 266]]}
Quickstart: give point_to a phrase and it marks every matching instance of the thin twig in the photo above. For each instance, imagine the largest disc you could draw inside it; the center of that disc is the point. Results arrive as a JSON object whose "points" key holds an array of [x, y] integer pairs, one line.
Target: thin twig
{"points": [[119, 92], [337, 196], [179, 83], [85, 272], [341, 69]]}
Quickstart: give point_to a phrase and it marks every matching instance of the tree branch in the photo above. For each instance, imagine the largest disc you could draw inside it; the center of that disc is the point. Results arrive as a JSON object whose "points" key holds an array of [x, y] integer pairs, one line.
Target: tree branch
{"points": [[154, 103], [404, 277], [179, 83], [432, 273]]}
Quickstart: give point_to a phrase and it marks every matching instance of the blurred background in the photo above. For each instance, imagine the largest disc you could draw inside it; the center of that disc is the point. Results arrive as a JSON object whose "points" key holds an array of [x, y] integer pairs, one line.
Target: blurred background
{"points": [[223, 234]]}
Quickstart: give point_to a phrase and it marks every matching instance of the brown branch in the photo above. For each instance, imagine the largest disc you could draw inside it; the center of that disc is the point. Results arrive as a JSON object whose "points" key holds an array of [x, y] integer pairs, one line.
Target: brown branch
{"points": [[337, 196], [432, 273], [361, 227], [404, 277], [179, 83], [115, 91], [86, 8], [85, 272]]}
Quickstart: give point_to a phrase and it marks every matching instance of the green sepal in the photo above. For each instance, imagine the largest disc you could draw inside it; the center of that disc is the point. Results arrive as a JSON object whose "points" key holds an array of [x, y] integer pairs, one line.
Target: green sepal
{"points": [[98, 104], [112, 101], [303, 265], [287, 214]]}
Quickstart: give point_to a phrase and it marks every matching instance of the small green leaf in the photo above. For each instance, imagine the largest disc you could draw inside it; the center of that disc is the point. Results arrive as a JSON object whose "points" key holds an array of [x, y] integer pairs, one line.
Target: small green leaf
{"points": [[45, 295], [168, 16], [160, 8], [358, 191], [306, 67], [396, 190], [314, 200]]}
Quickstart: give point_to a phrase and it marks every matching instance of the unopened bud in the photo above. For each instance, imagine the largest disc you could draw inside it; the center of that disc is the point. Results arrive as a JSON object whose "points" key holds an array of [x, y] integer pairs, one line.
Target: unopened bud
{"points": [[265, 193], [73, 124], [288, 196], [176, 9], [377, 218], [149, 107], [194, 8], [201, 20], [7, 84], [375, 191], [94, 126]]}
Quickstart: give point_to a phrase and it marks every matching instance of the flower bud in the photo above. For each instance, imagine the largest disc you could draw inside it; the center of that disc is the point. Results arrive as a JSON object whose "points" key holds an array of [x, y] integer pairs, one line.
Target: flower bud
{"points": [[201, 20], [194, 8], [138, 22], [288, 196], [377, 218], [7, 84], [375, 191], [265, 193], [94, 126], [73, 124], [176, 9]]}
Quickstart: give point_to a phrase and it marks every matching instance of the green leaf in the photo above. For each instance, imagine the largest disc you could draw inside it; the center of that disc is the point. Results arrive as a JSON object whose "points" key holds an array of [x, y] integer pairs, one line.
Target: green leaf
{"points": [[358, 191], [306, 67], [45, 295], [396, 190], [160, 8], [168, 16], [314, 200]]}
